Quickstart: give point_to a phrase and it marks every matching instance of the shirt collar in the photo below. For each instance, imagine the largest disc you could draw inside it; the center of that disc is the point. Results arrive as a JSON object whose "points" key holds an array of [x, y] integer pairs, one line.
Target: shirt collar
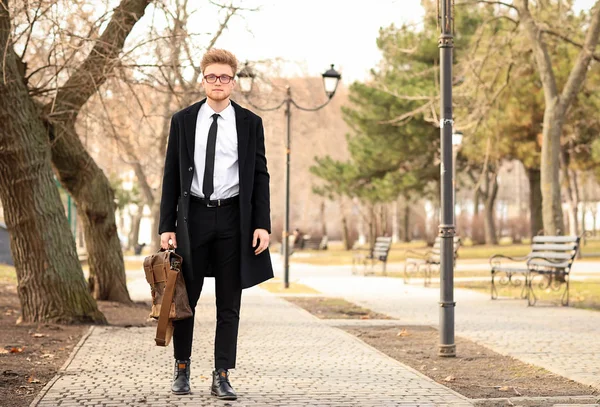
{"points": [[227, 114]]}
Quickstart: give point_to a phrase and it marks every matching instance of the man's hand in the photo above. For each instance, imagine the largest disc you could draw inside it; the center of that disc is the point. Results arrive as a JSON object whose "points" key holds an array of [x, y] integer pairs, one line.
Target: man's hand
{"points": [[260, 236], [164, 240]]}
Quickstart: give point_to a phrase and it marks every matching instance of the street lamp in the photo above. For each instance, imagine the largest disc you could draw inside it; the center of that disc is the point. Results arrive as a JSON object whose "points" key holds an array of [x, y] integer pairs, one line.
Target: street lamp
{"points": [[331, 79], [447, 347]]}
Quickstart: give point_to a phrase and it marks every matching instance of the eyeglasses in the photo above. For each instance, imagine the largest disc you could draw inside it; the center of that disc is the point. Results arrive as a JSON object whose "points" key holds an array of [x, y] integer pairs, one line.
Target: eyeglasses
{"points": [[222, 78]]}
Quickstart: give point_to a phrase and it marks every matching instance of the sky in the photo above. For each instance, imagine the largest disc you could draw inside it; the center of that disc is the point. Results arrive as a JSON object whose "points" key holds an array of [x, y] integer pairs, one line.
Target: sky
{"points": [[317, 33]]}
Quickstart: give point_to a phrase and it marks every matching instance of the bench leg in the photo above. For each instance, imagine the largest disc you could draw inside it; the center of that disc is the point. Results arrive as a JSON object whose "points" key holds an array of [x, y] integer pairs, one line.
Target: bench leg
{"points": [[427, 275], [531, 298], [494, 290], [525, 288], [409, 268], [384, 267], [565, 297]]}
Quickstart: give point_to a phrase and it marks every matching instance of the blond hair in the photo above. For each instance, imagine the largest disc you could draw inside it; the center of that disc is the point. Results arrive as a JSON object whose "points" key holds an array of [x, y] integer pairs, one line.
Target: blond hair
{"points": [[219, 56]]}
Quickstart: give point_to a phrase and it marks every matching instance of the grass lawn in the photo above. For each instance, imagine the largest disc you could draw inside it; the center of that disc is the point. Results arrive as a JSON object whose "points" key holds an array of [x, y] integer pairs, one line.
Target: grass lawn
{"points": [[275, 285], [583, 294], [335, 255], [8, 274]]}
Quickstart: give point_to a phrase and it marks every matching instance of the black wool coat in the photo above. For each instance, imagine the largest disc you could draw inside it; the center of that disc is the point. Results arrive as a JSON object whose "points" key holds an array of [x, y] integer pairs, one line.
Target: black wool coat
{"points": [[255, 210]]}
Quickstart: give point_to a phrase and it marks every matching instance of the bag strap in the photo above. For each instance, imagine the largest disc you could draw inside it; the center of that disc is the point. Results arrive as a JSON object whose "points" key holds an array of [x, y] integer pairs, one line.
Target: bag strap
{"points": [[165, 307]]}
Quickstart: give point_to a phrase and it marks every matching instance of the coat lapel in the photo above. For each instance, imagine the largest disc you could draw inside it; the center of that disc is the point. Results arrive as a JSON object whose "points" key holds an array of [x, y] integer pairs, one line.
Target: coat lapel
{"points": [[243, 131], [190, 118]]}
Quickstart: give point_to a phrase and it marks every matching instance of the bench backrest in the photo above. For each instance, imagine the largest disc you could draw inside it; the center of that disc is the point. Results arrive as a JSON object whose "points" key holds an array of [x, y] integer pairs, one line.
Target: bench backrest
{"points": [[555, 252], [436, 251], [382, 247]]}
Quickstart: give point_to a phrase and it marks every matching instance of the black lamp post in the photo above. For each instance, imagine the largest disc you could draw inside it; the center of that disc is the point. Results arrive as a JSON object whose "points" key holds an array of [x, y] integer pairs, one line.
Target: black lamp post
{"points": [[331, 80], [447, 229]]}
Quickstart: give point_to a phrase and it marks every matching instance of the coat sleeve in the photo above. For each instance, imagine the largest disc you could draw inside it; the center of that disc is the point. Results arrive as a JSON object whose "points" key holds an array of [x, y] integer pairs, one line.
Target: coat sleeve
{"points": [[261, 203], [170, 184]]}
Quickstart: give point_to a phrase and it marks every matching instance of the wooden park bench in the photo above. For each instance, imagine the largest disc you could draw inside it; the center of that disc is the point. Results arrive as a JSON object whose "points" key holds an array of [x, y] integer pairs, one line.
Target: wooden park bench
{"points": [[315, 243], [550, 260], [368, 258], [426, 261]]}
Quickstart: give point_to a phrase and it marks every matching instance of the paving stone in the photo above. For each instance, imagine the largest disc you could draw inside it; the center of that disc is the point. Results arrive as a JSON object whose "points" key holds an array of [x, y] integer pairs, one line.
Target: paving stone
{"points": [[286, 357], [563, 340]]}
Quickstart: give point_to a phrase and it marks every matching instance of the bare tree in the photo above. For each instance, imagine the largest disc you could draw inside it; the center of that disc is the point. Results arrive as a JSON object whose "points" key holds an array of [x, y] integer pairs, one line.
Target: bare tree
{"points": [[51, 283], [557, 104]]}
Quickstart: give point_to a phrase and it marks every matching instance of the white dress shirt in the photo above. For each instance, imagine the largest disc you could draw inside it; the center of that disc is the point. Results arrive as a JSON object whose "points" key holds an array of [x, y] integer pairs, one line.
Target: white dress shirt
{"points": [[226, 177]]}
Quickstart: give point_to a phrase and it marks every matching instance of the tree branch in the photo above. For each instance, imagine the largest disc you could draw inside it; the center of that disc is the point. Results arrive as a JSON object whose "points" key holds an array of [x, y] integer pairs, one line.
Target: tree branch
{"points": [[540, 50], [579, 71], [569, 40], [500, 3], [101, 60]]}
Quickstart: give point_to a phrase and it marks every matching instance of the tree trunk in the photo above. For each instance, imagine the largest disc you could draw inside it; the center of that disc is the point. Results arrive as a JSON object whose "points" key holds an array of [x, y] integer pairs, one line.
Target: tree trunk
{"points": [[407, 222], [51, 285], [594, 212], [162, 149], [535, 202], [77, 171], [155, 246], [550, 173], [573, 212], [323, 219], [490, 203], [362, 239], [395, 221], [372, 226], [345, 230], [476, 199], [135, 227], [90, 188], [584, 178], [572, 193]]}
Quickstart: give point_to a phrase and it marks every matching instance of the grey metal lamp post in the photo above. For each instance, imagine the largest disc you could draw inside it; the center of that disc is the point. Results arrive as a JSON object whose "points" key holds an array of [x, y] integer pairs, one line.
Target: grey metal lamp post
{"points": [[457, 138], [331, 79], [447, 230]]}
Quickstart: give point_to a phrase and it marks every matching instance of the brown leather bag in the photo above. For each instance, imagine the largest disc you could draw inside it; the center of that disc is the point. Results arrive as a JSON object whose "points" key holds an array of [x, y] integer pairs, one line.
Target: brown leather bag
{"points": [[169, 296]]}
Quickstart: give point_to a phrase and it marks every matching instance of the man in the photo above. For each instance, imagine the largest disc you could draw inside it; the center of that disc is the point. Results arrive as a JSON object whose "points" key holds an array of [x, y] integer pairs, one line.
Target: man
{"points": [[215, 210]]}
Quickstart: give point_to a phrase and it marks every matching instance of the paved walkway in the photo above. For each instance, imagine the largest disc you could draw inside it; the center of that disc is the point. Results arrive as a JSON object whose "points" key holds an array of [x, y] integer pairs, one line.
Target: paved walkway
{"points": [[286, 357], [563, 340]]}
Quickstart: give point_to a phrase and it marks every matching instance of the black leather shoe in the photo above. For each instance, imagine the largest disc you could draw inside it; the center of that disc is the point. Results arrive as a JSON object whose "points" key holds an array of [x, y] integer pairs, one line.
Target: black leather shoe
{"points": [[181, 378], [221, 386]]}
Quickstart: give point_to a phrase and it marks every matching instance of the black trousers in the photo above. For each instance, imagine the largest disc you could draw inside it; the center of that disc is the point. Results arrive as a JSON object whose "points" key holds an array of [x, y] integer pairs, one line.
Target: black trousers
{"points": [[215, 241]]}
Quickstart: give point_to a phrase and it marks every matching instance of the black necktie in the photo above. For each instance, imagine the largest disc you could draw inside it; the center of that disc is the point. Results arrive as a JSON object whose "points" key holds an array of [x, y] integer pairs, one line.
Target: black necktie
{"points": [[209, 166]]}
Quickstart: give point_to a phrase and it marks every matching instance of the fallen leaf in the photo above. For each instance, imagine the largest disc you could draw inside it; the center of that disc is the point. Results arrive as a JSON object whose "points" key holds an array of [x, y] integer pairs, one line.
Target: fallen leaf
{"points": [[403, 332], [435, 368], [33, 380], [17, 349], [47, 355], [450, 379], [365, 317], [3, 351], [39, 335], [504, 388]]}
